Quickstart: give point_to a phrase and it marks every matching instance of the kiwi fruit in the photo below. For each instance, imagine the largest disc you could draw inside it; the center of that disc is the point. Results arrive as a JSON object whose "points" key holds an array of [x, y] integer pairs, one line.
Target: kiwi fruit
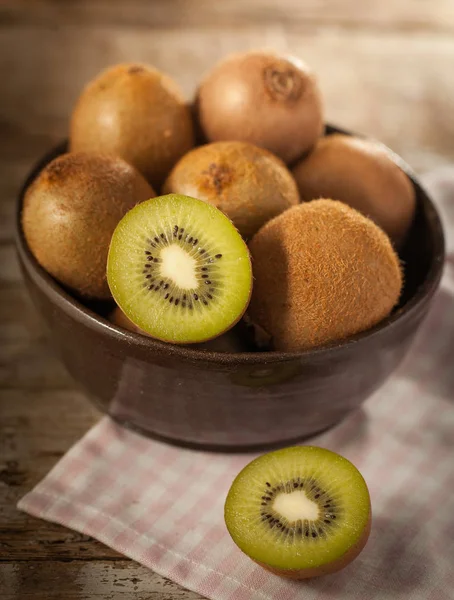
{"points": [[70, 212], [322, 272], [138, 113], [267, 99], [299, 512], [363, 174], [249, 184], [232, 341], [179, 269]]}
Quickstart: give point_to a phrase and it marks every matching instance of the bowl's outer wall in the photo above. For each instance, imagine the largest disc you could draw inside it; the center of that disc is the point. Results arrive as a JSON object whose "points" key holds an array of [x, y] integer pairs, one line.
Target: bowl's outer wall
{"points": [[237, 403]]}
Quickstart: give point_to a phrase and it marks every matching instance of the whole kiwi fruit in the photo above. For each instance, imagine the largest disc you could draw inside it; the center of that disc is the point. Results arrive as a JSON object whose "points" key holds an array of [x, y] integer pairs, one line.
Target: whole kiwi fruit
{"points": [[70, 212], [249, 184], [363, 174], [323, 272], [267, 99], [136, 112]]}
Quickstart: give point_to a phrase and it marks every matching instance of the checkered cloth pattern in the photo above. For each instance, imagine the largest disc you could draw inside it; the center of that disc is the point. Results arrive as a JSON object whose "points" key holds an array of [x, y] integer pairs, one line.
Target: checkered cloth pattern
{"points": [[163, 506]]}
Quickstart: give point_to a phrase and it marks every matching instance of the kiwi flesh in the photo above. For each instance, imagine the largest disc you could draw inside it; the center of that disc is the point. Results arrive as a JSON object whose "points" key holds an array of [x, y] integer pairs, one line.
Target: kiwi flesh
{"points": [[299, 512], [136, 112], [231, 341], [322, 272], [179, 269], [249, 184], [363, 174], [70, 212], [267, 99]]}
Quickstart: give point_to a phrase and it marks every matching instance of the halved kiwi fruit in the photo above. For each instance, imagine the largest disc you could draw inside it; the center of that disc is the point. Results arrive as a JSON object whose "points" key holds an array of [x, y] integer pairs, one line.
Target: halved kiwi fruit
{"points": [[363, 174], [179, 269], [267, 99], [322, 272], [249, 184], [136, 112], [70, 212], [299, 512]]}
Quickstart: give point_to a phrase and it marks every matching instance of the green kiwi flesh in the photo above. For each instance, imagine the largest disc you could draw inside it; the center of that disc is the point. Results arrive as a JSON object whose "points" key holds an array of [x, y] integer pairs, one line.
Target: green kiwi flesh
{"points": [[179, 269], [300, 512]]}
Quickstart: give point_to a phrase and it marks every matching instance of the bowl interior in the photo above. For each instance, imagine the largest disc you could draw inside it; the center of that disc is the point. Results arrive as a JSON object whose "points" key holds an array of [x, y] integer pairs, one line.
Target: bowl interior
{"points": [[422, 258]]}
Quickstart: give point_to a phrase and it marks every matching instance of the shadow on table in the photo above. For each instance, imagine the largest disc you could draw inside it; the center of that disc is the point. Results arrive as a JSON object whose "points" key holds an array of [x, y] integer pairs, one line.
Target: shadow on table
{"points": [[388, 565]]}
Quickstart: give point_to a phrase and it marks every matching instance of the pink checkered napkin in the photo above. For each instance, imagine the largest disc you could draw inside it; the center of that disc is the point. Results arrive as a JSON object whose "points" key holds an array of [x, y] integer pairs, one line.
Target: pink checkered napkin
{"points": [[163, 506]]}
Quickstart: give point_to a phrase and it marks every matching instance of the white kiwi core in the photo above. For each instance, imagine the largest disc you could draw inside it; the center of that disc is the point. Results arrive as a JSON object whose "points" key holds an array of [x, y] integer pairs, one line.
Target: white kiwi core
{"points": [[178, 266], [296, 506]]}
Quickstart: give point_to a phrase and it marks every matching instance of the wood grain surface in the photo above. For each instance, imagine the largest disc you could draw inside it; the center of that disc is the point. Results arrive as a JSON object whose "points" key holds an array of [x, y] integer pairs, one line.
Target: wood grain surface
{"points": [[385, 69]]}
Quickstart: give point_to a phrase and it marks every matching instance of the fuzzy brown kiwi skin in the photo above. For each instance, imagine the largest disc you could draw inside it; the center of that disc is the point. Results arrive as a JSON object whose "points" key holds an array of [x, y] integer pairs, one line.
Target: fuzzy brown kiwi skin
{"points": [[267, 99], [230, 341], [337, 565], [70, 212], [362, 174], [249, 184], [313, 277], [138, 113]]}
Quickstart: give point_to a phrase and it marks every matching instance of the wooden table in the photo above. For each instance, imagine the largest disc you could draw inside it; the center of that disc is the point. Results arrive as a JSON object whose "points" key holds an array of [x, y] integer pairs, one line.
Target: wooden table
{"points": [[386, 69]]}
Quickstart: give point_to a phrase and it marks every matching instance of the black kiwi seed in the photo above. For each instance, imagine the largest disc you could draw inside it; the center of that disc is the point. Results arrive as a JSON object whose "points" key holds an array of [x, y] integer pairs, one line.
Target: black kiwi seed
{"points": [[204, 272]]}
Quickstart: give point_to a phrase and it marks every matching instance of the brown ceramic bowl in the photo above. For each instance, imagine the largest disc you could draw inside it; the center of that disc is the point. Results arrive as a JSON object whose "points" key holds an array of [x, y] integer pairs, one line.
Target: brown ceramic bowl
{"points": [[234, 401]]}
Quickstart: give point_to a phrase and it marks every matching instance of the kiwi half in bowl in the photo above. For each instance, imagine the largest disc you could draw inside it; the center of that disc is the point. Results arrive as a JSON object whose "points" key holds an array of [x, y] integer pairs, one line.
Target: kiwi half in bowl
{"points": [[299, 512], [179, 269]]}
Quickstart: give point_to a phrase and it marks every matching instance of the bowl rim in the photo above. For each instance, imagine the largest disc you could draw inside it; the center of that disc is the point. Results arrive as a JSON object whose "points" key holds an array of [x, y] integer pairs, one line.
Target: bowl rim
{"points": [[86, 316]]}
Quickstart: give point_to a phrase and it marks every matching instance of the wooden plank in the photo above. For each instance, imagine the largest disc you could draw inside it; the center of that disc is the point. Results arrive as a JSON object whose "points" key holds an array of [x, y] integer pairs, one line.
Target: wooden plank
{"points": [[36, 429], [39, 559], [387, 14], [396, 90], [119, 580]]}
